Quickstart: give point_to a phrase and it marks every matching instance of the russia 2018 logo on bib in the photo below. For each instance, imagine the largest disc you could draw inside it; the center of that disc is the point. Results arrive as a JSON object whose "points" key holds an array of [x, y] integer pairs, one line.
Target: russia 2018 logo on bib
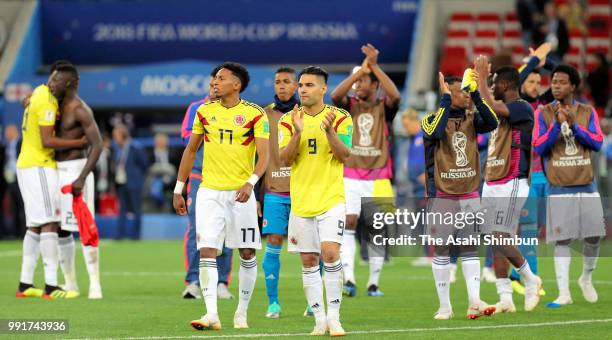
{"points": [[239, 120]]}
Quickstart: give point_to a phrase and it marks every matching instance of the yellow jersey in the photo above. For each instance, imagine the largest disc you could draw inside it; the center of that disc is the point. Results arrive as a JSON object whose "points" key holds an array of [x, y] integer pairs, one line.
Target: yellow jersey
{"points": [[317, 177], [229, 142], [43, 110]]}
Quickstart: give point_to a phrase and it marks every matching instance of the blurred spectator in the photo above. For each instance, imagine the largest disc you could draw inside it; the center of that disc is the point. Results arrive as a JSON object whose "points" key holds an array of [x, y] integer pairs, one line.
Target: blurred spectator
{"points": [[498, 60], [162, 172], [551, 28], [573, 13], [131, 166], [598, 82], [103, 167], [526, 11], [416, 152], [106, 201], [604, 159], [11, 145]]}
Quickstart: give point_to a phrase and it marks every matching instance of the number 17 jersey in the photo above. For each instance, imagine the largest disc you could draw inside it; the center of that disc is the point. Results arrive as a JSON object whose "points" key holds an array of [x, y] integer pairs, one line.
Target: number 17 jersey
{"points": [[229, 142]]}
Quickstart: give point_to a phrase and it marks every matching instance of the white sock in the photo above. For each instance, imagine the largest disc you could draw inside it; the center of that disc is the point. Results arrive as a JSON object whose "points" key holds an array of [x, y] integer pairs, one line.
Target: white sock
{"points": [[470, 266], [92, 262], [526, 273], [591, 253], [376, 259], [333, 288], [347, 255], [313, 288], [66, 261], [562, 265], [247, 275], [31, 251], [209, 277], [441, 272], [504, 289], [49, 250]]}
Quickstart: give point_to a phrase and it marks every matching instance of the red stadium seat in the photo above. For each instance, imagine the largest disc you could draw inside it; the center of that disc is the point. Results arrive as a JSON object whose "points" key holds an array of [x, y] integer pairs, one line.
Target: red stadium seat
{"points": [[599, 7], [453, 61], [488, 21], [461, 21], [511, 38]]}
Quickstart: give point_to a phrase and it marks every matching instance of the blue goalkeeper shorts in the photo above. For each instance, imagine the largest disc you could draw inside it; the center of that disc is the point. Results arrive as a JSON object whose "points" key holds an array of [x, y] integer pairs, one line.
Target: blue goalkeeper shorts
{"points": [[276, 211]]}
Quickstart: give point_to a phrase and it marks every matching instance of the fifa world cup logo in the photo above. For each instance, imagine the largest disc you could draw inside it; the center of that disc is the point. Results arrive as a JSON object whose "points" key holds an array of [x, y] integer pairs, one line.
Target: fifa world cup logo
{"points": [[459, 144], [492, 140], [365, 123], [570, 140]]}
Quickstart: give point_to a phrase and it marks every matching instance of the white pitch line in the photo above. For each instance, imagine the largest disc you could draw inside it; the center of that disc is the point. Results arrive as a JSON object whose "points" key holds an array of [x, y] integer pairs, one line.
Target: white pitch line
{"points": [[380, 331]]}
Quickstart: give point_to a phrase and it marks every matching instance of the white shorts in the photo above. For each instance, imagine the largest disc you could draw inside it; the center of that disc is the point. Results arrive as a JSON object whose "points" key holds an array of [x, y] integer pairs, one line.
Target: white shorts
{"points": [[356, 189], [41, 195], [440, 229], [219, 218], [574, 217], [306, 233], [503, 204], [69, 171]]}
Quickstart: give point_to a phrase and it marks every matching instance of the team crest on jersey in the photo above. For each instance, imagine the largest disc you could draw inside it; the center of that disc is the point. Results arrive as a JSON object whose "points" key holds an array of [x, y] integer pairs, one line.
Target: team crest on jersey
{"points": [[239, 120]]}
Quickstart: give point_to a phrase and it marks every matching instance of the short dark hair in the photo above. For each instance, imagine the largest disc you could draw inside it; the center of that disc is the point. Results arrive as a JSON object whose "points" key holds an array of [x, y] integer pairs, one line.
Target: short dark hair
{"points": [[450, 80], [536, 71], [508, 74], [58, 63], [285, 69], [315, 70], [239, 71], [571, 71], [68, 68], [214, 71]]}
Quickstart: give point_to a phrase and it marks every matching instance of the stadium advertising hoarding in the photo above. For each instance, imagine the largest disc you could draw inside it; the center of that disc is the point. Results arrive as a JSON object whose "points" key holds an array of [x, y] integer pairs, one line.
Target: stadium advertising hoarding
{"points": [[264, 32], [172, 84]]}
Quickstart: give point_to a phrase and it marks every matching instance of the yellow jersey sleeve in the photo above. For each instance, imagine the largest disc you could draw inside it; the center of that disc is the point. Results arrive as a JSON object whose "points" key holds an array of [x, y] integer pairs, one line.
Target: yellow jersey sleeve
{"points": [[262, 127], [45, 104], [197, 127], [343, 124], [285, 131]]}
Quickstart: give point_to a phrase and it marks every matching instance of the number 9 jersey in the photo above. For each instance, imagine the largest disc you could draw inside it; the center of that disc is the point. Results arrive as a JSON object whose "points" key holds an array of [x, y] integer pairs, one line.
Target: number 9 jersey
{"points": [[317, 177], [229, 142]]}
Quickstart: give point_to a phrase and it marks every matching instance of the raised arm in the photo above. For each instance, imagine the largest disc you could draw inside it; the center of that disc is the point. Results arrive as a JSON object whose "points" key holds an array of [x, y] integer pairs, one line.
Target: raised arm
{"points": [[434, 124], [339, 94], [485, 119], [481, 66], [391, 92], [92, 133]]}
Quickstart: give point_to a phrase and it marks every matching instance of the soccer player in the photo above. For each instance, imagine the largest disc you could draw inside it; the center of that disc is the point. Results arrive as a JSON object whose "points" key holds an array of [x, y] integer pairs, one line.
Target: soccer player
{"points": [[315, 141], [566, 132], [233, 130], [368, 170], [277, 203], [506, 189], [38, 182], [75, 167], [451, 147], [192, 254]]}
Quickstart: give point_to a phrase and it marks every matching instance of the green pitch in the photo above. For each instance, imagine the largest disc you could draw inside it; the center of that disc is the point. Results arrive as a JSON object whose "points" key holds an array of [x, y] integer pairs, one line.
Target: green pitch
{"points": [[142, 284]]}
